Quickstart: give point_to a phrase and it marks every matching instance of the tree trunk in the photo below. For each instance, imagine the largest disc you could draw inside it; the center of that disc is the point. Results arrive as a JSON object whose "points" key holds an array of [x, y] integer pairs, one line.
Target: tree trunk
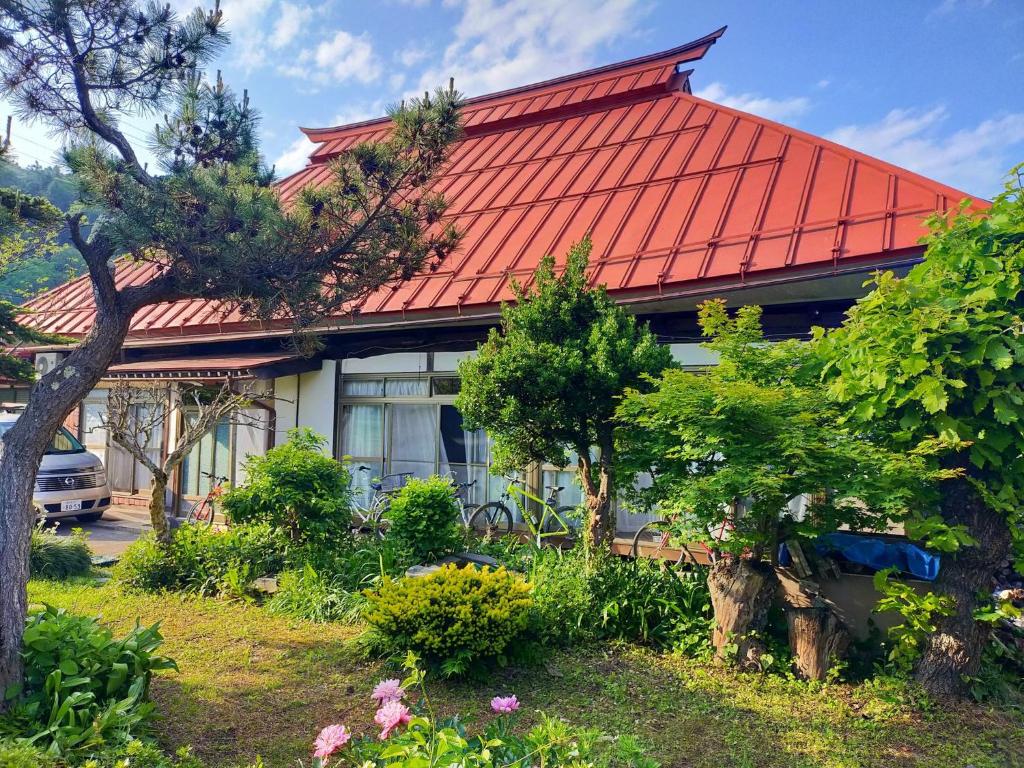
{"points": [[954, 650], [741, 593], [21, 450], [158, 508], [600, 523], [817, 637]]}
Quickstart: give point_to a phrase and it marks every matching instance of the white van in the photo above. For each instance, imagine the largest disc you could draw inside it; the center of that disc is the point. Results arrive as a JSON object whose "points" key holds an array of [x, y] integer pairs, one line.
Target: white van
{"points": [[71, 482]]}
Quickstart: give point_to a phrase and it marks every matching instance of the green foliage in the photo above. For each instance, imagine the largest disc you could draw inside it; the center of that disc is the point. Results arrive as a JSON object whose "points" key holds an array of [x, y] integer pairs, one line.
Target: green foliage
{"points": [[82, 688], [427, 740], [548, 381], [937, 355], [579, 599], [203, 560], [736, 442], [17, 754], [641, 601], [59, 557], [424, 518], [454, 617], [296, 488], [919, 613], [305, 593]]}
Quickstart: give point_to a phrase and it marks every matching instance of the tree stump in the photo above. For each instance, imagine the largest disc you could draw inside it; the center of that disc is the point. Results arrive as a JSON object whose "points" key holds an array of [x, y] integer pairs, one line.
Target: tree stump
{"points": [[741, 593], [816, 636]]}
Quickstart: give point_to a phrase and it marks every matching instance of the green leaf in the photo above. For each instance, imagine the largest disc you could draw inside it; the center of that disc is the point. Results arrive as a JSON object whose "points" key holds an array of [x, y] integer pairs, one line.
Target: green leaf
{"points": [[998, 354]]}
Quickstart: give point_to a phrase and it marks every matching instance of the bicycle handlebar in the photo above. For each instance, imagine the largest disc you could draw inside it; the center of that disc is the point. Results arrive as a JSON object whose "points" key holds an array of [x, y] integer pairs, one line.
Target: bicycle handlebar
{"points": [[212, 476]]}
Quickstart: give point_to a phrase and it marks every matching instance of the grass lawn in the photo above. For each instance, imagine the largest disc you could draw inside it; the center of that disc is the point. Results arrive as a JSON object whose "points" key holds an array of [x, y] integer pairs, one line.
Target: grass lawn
{"points": [[252, 684]]}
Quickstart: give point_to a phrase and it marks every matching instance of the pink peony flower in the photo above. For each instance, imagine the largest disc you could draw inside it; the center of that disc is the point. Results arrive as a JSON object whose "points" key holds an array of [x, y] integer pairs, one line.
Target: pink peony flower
{"points": [[391, 715], [505, 705], [331, 739], [387, 691]]}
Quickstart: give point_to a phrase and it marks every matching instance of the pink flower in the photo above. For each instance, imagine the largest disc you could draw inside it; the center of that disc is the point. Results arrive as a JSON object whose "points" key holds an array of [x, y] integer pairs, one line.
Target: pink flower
{"points": [[331, 739], [391, 715], [387, 691], [505, 705]]}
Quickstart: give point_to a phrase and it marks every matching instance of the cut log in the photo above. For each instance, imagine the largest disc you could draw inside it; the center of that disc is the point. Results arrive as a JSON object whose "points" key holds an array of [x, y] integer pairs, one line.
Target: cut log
{"points": [[741, 594], [817, 638]]}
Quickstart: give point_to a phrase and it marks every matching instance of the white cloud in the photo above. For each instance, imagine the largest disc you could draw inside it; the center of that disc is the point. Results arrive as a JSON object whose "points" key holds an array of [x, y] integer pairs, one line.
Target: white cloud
{"points": [[294, 157], [345, 56], [289, 24], [973, 159], [762, 106], [411, 55], [245, 21], [339, 58], [503, 43]]}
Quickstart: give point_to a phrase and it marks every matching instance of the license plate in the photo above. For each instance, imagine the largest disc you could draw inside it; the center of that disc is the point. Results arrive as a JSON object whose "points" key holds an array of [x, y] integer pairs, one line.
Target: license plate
{"points": [[70, 506]]}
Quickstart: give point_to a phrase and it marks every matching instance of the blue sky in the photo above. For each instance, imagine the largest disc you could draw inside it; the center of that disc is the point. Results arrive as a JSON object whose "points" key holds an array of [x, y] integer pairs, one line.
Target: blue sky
{"points": [[933, 85]]}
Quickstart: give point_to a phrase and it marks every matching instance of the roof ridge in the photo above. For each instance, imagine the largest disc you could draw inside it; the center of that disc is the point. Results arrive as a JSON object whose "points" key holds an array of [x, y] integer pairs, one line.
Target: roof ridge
{"points": [[700, 44]]}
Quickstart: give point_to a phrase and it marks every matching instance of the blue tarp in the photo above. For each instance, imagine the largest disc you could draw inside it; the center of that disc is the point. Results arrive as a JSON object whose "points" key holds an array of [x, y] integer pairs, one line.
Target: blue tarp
{"points": [[878, 554]]}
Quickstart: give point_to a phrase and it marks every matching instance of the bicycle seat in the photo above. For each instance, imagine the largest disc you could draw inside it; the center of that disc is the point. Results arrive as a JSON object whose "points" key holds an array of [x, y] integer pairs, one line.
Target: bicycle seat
{"points": [[555, 488], [363, 468]]}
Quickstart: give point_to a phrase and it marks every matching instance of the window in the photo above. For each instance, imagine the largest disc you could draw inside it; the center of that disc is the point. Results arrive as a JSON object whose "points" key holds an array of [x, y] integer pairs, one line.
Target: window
{"points": [[411, 427], [210, 456]]}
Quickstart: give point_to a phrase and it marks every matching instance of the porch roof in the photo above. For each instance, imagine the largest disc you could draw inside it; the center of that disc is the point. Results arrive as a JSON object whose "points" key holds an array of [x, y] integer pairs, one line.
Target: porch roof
{"points": [[681, 196], [210, 367]]}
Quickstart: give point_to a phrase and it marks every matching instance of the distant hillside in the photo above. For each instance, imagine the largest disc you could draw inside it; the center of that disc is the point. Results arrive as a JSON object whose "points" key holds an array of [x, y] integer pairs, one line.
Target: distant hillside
{"points": [[32, 275]]}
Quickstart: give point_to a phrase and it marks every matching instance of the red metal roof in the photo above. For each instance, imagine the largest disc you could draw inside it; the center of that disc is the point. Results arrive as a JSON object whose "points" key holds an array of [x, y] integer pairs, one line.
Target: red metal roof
{"points": [[678, 194]]}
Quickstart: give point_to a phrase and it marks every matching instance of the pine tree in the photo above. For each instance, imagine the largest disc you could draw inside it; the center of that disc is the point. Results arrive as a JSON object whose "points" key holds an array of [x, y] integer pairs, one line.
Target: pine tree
{"points": [[207, 220]]}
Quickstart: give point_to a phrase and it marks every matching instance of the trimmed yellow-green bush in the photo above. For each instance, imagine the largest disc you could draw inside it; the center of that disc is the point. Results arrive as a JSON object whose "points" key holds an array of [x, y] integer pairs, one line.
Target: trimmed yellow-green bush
{"points": [[452, 617]]}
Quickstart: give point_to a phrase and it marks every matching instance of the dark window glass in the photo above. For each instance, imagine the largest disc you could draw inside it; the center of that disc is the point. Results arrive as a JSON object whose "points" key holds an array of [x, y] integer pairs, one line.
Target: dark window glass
{"points": [[446, 385]]}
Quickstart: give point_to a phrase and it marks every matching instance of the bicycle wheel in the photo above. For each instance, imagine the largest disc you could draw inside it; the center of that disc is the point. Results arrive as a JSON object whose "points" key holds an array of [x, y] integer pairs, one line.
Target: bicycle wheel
{"points": [[378, 522], [468, 510], [201, 513], [492, 520], [563, 522], [654, 535]]}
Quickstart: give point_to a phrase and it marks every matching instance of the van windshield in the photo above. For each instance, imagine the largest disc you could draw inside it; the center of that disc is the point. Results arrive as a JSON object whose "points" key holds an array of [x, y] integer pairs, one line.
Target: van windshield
{"points": [[63, 442]]}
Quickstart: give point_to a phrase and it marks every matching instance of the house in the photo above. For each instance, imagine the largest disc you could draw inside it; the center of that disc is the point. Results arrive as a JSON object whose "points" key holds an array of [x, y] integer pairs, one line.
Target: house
{"points": [[685, 199]]}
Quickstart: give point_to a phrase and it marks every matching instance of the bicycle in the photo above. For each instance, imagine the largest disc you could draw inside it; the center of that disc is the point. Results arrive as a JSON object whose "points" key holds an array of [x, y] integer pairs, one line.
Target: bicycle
{"points": [[205, 511], [659, 533], [495, 517], [371, 517]]}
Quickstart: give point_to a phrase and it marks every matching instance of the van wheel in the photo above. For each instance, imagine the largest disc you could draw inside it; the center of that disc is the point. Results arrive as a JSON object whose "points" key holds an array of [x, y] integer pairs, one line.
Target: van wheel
{"points": [[92, 517]]}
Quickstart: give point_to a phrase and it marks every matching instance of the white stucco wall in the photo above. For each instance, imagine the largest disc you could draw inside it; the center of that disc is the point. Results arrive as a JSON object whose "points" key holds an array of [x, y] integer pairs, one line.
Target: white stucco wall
{"points": [[286, 391], [315, 402]]}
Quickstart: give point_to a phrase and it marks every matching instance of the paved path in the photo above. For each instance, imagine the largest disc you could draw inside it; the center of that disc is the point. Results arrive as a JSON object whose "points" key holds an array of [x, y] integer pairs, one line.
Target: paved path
{"points": [[111, 534]]}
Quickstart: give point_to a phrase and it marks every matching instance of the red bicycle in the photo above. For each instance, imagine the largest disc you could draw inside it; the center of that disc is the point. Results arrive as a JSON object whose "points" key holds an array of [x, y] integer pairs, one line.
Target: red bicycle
{"points": [[205, 511]]}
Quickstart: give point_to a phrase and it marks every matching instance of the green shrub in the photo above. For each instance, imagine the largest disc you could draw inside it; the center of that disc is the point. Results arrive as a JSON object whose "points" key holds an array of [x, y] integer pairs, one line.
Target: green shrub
{"points": [[204, 560], [577, 601], [146, 567], [564, 611], [643, 601], [305, 593], [297, 488], [59, 557], [14, 754], [82, 688], [424, 518], [453, 617]]}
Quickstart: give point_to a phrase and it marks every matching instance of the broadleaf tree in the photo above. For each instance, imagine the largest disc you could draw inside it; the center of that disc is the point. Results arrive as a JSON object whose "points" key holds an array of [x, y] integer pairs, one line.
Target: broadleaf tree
{"points": [[729, 447], [28, 224], [939, 355], [207, 220], [548, 380]]}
